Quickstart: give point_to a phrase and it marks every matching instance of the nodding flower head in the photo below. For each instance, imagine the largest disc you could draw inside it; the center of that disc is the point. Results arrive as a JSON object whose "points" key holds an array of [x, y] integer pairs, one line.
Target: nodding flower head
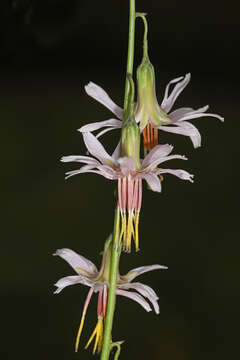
{"points": [[153, 117], [98, 282], [129, 175], [148, 113]]}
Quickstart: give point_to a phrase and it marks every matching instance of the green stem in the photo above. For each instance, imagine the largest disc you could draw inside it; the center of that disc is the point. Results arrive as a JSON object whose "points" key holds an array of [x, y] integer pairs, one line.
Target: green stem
{"points": [[130, 57], [116, 251]]}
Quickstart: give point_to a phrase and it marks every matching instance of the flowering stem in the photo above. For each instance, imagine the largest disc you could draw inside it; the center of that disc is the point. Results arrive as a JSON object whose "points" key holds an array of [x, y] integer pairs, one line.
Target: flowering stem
{"points": [[116, 250], [130, 57]]}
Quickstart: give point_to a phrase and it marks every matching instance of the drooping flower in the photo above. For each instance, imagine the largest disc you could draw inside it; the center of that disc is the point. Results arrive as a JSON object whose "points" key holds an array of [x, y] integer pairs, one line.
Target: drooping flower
{"points": [[152, 116], [98, 282], [129, 177]]}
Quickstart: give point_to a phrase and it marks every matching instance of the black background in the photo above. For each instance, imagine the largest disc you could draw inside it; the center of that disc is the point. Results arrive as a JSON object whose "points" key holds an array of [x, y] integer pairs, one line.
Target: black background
{"points": [[49, 51]]}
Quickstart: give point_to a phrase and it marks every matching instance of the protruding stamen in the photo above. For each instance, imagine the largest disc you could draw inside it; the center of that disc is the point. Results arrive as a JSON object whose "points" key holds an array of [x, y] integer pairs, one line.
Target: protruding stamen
{"points": [[105, 295], [136, 223], [83, 318], [98, 332]]}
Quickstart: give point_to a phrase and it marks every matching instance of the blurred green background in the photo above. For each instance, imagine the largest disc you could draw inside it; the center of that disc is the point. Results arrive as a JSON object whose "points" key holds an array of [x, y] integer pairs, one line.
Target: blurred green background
{"points": [[49, 51]]}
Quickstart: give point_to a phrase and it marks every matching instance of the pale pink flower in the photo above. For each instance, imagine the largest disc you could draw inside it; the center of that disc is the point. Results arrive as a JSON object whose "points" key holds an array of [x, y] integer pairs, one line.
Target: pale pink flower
{"points": [[123, 169], [177, 121], [98, 282]]}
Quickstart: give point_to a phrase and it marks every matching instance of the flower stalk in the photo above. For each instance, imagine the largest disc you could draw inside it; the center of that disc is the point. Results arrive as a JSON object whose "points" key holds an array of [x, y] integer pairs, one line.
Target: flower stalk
{"points": [[116, 250]]}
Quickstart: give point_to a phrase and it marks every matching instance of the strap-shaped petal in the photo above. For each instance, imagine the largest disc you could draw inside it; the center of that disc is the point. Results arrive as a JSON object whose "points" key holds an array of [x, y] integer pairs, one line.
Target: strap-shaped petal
{"points": [[136, 297], [168, 101], [113, 123], [182, 174], [82, 159], [132, 274], [145, 291], [71, 280], [101, 96], [157, 152], [76, 261], [96, 149], [153, 181]]}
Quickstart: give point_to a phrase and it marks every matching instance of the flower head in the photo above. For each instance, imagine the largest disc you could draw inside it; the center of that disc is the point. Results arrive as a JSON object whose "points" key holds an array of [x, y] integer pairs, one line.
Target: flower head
{"points": [[98, 282], [152, 116], [129, 177]]}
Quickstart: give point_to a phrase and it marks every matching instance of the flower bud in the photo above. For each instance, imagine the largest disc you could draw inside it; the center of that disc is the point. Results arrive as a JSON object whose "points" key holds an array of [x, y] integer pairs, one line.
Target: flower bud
{"points": [[130, 135], [148, 109]]}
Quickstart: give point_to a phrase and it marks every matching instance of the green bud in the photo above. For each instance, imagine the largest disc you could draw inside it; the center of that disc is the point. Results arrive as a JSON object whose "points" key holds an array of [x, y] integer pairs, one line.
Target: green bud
{"points": [[130, 135], [130, 140], [148, 109]]}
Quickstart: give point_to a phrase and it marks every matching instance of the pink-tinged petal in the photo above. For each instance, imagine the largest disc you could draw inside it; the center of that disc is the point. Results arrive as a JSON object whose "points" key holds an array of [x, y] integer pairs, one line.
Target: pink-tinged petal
{"points": [[132, 274], [113, 123], [104, 132], [117, 152], [153, 181], [127, 165], [154, 164], [145, 291], [157, 152], [101, 96], [136, 297], [195, 115], [182, 174], [178, 129], [190, 128], [96, 149], [168, 101], [82, 159], [76, 261], [72, 280], [103, 170], [177, 114]]}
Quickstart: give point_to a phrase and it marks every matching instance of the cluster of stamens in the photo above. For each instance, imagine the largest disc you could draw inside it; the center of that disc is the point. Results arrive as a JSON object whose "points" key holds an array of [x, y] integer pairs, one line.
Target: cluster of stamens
{"points": [[129, 203], [150, 137], [101, 312]]}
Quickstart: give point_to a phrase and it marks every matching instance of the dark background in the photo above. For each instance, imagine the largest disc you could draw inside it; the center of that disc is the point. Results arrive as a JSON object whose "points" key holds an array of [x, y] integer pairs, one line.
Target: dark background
{"points": [[49, 51]]}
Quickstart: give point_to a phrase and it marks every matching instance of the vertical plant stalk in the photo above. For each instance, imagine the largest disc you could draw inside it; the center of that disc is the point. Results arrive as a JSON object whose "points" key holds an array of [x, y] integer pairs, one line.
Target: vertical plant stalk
{"points": [[130, 56], [116, 250]]}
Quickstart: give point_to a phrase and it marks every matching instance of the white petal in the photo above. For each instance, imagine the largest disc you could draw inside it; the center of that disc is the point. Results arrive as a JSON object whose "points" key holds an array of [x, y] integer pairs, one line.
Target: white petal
{"points": [[71, 280], [127, 165], [101, 124], [136, 297], [195, 115], [177, 114], [182, 174], [76, 261], [145, 291], [168, 101], [96, 149], [101, 96], [104, 132], [153, 181], [157, 152], [132, 274], [117, 152], [82, 159], [159, 161]]}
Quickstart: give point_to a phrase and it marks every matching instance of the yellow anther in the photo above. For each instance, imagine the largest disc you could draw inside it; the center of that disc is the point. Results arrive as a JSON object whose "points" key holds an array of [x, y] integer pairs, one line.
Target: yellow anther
{"points": [[98, 332], [136, 222], [123, 227], [79, 333], [130, 232]]}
